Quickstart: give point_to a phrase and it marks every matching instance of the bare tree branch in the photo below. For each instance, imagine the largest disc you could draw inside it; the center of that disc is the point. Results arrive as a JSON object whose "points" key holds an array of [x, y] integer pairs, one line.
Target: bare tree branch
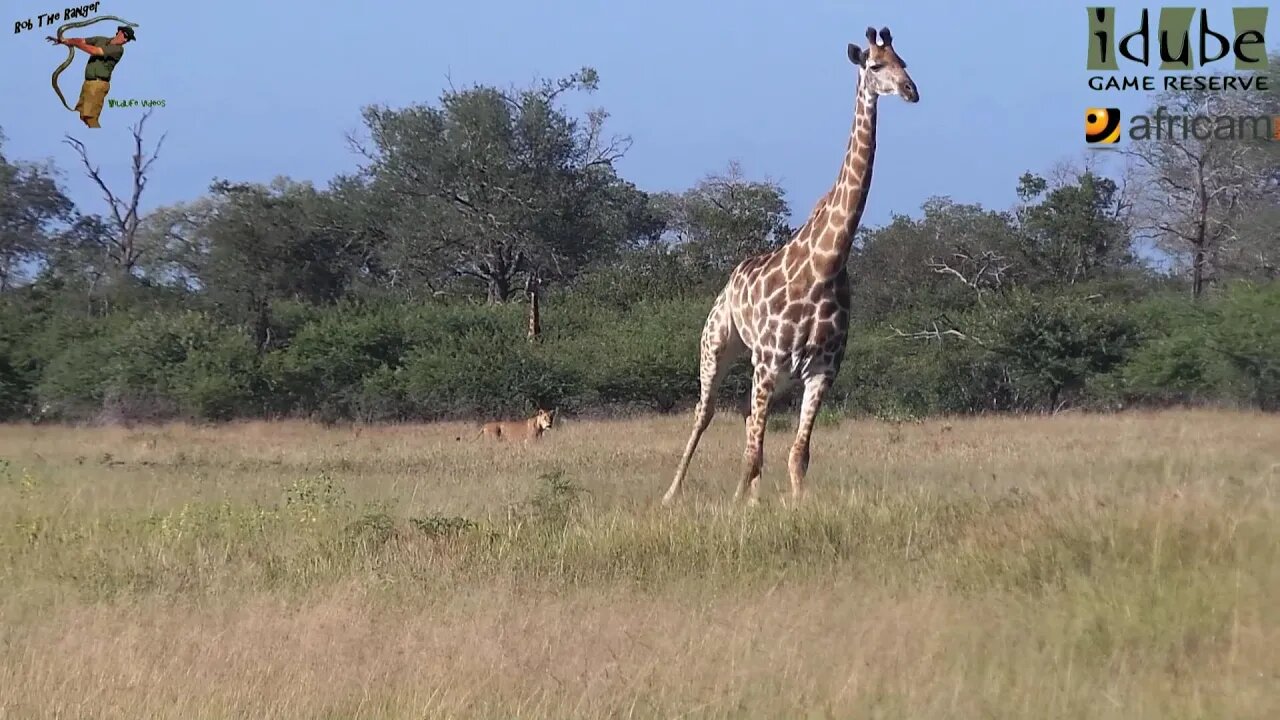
{"points": [[936, 334], [124, 250], [981, 272]]}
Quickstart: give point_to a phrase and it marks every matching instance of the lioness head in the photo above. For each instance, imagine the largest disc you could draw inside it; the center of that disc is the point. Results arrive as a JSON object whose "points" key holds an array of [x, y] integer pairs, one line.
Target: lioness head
{"points": [[544, 419]]}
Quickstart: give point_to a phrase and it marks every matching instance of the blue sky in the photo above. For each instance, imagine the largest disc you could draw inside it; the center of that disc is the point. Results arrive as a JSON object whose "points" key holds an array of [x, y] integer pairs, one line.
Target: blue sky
{"points": [[259, 89]]}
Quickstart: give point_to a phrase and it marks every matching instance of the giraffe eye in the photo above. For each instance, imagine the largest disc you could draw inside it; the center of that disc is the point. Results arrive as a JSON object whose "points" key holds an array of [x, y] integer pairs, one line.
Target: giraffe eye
{"points": [[876, 67]]}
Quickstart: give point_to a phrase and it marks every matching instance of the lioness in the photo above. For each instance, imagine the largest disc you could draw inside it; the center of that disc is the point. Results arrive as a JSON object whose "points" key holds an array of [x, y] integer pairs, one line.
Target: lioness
{"points": [[530, 429]]}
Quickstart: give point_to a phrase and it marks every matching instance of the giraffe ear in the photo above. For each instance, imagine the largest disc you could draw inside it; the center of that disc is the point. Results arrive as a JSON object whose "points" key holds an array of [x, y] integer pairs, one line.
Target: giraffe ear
{"points": [[856, 56]]}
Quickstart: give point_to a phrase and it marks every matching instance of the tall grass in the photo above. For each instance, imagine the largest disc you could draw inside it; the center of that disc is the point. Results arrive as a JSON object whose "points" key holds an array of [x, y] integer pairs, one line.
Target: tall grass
{"points": [[1078, 566]]}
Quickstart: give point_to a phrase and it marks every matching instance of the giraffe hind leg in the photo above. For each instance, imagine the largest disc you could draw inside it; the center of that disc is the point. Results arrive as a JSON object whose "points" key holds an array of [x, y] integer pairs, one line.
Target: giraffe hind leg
{"points": [[720, 347], [765, 382], [815, 389]]}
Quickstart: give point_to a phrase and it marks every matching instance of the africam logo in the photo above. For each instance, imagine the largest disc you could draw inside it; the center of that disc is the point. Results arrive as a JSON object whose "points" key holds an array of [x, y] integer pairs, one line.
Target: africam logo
{"points": [[1102, 126]]}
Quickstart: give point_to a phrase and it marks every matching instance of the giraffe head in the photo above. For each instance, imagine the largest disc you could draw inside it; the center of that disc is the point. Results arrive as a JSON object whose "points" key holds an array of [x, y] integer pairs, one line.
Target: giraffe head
{"points": [[883, 70]]}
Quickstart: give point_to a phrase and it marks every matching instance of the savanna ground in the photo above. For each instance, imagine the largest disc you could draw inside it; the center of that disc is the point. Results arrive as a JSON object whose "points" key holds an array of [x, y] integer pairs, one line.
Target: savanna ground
{"points": [[1121, 566]]}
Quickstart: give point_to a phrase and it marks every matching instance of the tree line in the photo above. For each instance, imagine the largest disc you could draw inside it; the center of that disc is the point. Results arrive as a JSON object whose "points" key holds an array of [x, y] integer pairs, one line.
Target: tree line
{"points": [[402, 289]]}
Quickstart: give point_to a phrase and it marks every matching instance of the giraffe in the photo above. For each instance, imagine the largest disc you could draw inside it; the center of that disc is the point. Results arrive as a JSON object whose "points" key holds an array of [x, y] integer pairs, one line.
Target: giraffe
{"points": [[789, 308]]}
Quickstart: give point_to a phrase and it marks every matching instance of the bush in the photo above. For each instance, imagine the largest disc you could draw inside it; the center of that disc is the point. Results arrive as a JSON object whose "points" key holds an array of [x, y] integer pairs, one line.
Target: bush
{"points": [[75, 354], [1247, 335], [647, 357], [1022, 352], [153, 366], [1175, 364], [324, 366], [1049, 347], [219, 380], [16, 371], [888, 376], [482, 372], [1223, 350], [388, 361]]}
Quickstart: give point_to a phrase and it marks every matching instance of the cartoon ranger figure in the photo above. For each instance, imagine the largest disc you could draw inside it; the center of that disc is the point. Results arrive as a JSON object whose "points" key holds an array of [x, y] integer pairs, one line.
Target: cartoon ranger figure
{"points": [[104, 54]]}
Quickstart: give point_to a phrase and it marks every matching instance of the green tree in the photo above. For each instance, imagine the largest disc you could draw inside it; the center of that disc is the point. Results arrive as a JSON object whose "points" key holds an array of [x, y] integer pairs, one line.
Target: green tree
{"points": [[725, 218], [1073, 232], [491, 183], [249, 246], [31, 207], [953, 256]]}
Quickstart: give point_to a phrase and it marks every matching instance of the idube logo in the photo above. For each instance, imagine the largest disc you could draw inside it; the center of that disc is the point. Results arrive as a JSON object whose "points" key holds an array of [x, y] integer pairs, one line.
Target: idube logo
{"points": [[1184, 39]]}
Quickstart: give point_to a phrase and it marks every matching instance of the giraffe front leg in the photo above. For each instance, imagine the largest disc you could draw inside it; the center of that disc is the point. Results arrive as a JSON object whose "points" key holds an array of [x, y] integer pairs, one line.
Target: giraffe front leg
{"points": [[815, 389], [763, 382]]}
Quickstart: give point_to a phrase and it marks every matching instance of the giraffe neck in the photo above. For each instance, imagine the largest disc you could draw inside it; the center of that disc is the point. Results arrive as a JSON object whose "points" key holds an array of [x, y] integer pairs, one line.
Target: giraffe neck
{"points": [[843, 205]]}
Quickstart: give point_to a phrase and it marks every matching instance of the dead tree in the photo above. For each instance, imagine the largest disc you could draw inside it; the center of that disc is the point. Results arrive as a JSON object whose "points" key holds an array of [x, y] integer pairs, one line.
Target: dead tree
{"points": [[981, 272], [121, 246], [936, 334], [1198, 191], [532, 289]]}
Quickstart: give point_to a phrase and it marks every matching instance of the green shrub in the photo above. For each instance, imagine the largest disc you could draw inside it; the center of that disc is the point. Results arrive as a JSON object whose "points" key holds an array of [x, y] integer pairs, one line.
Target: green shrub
{"points": [[606, 348], [324, 367], [1175, 363], [1222, 349], [646, 357], [484, 370], [1247, 335], [218, 381], [1051, 346]]}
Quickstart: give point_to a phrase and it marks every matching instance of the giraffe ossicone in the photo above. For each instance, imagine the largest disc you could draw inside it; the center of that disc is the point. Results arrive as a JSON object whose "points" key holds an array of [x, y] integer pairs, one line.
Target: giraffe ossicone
{"points": [[788, 309]]}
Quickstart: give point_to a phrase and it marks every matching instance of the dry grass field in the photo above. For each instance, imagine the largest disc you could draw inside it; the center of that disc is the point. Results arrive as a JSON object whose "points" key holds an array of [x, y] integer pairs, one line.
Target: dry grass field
{"points": [[1071, 567]]}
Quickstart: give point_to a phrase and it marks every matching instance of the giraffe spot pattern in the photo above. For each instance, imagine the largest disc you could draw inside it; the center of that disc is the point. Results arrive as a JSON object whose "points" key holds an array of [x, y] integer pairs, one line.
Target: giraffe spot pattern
{"points": [[790, 308]]}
